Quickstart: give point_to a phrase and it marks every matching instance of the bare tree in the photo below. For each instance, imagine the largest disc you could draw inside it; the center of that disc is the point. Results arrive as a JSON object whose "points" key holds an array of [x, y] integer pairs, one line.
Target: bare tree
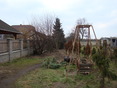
{"points": [[42, 36], [44, 24], [39, 42], [70, 36], [83, 32], [82, 21]]}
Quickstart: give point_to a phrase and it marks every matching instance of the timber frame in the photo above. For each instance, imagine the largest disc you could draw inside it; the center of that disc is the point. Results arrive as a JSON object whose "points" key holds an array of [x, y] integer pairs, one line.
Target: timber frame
{"points": [[77, 39]]}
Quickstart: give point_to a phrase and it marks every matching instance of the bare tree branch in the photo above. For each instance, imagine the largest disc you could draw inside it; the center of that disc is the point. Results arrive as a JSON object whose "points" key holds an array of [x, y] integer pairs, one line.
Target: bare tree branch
{"points": [[42, 36], [82, 21]]}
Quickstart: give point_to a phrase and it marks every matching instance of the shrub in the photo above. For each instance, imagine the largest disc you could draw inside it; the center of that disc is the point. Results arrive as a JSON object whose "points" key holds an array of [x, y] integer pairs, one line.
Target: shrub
{"points": [[54, 65], [115, 53], [51, 63], [83, 50], [93, 51], [103, 63], [87, 49]]}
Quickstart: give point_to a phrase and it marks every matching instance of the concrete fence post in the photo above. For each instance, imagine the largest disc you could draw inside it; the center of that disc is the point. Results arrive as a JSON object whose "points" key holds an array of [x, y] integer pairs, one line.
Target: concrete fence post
{"points": [[21, 47], [28, 43], [10, 47]]}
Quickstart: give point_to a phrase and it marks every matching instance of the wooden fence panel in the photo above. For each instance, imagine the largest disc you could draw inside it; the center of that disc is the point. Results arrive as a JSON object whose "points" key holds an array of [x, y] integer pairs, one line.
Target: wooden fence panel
{"points": [[15, 45], [25, 46], [3, 46]]}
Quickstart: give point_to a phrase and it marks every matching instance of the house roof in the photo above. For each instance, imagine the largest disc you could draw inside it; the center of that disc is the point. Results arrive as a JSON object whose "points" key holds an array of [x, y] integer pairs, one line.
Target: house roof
{"points": [[24, 28], [7, 29], [29, 30]]}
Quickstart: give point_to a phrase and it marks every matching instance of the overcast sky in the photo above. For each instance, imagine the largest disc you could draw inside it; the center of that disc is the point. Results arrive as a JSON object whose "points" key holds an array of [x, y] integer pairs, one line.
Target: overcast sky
{"points": [[102, 14]]}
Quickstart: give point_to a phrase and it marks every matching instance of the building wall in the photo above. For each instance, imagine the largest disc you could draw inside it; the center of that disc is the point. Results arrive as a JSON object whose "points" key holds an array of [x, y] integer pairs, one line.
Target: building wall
{"points": [[93, 42], [105, 39], [112, 41]]}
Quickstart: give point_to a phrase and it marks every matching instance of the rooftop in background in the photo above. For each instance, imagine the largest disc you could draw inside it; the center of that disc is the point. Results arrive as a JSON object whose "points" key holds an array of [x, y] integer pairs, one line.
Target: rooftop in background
{"points": [[21, 25], [26, 30]]}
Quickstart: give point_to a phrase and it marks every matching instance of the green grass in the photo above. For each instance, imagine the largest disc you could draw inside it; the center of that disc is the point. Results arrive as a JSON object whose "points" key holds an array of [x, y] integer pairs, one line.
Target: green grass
{"points": [[56, 78], [40, 78], [21, 62], [46, 78]]}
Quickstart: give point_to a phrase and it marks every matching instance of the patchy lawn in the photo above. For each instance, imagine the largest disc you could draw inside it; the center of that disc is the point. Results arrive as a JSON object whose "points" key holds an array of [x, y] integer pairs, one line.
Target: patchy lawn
{"points": [[18, 64], [42, 77], [11, 71], [21, 62], [56, 78]]}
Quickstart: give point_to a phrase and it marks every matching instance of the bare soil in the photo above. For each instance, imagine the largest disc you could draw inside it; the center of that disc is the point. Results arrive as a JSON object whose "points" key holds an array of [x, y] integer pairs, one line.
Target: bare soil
{"points": [[7, 80], [8, 76]]}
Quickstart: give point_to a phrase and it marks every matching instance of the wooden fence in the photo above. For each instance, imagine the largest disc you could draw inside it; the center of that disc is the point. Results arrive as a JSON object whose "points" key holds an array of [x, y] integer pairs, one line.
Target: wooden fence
{"points": [[11, 49], [3, 46]]}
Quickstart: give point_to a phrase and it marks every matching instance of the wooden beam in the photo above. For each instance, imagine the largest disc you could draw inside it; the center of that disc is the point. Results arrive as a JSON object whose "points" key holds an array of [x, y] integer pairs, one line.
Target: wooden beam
{"points": [[83, 26]]}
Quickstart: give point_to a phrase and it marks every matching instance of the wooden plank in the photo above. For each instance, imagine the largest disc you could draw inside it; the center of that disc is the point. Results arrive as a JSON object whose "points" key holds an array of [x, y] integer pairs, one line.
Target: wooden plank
{"points": [[84, 73], [85, 68], [85, 65]]}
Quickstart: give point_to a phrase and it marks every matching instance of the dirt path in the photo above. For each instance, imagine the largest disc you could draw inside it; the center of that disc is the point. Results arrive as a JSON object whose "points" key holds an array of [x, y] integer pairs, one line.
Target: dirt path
{"points": [[8, 80]]}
